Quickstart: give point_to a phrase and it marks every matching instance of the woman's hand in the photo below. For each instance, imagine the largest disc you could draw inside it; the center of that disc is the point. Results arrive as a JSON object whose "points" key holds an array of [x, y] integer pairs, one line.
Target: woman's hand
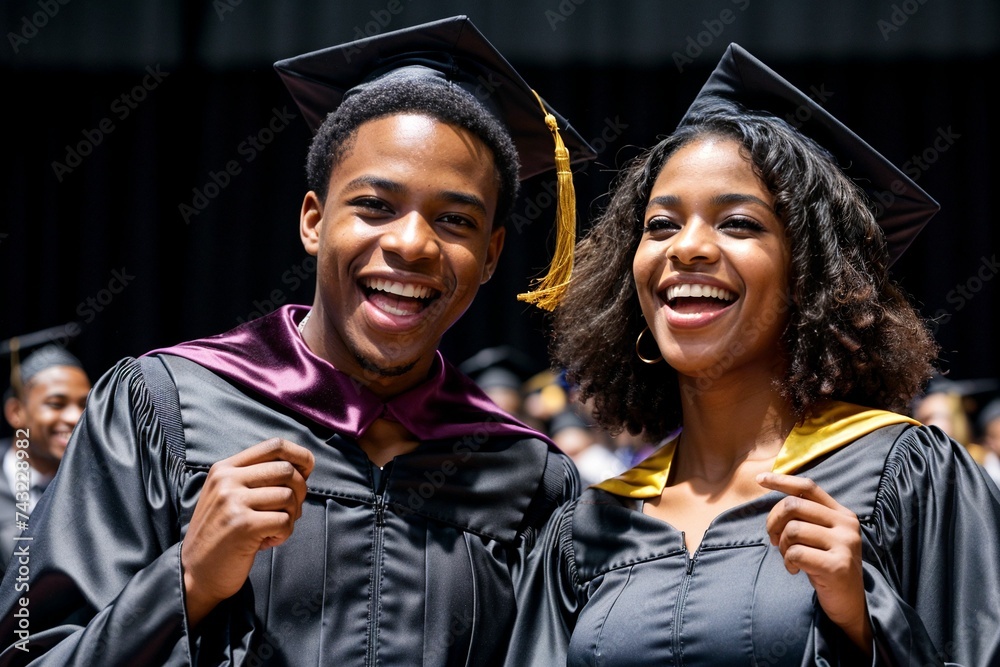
{"points": [[822, 538]]}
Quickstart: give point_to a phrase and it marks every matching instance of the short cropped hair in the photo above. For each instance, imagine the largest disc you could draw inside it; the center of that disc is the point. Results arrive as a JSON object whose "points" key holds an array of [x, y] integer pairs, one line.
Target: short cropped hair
{"points": [[446, 103]]}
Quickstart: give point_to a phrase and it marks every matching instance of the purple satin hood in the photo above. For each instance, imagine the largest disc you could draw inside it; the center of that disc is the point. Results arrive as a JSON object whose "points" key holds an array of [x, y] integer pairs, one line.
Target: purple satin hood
{"points": [[268, 356]]}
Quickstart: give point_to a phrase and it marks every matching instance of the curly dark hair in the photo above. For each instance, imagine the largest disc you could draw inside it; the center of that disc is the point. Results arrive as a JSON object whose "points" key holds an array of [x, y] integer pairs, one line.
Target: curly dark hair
{"points": [[852, 334], [438, 99]]}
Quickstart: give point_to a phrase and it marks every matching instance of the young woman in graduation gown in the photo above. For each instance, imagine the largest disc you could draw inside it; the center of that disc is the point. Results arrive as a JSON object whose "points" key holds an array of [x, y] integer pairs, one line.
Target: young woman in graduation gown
{"points": [[733, 300]]}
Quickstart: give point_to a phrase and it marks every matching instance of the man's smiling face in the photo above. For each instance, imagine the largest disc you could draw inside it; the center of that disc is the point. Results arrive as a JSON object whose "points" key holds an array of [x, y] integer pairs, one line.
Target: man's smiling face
{"points": [[403, 242]]}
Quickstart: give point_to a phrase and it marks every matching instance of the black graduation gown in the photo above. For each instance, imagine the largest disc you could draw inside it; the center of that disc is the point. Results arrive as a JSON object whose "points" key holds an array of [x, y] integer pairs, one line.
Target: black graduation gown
{"points": [[8, 510], [417, 572], [609, 585]]}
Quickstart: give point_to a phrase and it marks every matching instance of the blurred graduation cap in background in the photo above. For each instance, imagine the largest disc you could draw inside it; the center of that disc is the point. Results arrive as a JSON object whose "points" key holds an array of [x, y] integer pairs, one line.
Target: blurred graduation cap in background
{"points": [[975, 389], [974, 393], [569, 417], [989, 414], [500, 366], [902, 208], [969, 396], [32, 353], [452, 52], [502, 373]]}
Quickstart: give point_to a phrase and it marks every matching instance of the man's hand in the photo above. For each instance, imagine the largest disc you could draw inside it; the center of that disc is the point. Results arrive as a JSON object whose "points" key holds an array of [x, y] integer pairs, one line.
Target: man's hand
{"points": [[250, 501]]}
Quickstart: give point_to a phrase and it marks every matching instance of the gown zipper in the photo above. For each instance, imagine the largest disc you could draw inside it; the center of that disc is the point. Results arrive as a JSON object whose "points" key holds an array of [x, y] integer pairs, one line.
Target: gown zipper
{"points": [[376, 577], [681, 598]]}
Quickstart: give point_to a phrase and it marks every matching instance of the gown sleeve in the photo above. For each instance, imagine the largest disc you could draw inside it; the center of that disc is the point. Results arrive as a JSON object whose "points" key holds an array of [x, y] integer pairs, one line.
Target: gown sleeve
{"points": [[548, 596], [99, 581], [931, 554]]}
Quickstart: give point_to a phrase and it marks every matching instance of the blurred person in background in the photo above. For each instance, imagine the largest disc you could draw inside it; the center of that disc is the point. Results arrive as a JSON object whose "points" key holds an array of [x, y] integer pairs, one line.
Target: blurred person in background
{"points": [[950, 405], [585, 442], [501, 372], [47, 395], [989, 428]]}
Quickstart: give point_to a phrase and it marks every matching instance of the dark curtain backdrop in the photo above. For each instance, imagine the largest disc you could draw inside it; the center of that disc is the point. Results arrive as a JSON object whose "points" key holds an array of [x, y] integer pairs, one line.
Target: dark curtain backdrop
{"points": [[99, 241]]}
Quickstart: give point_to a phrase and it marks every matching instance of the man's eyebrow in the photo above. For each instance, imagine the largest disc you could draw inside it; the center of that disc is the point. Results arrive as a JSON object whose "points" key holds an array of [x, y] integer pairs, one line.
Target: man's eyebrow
{"points": [[380, 183], [368, 180], [466, 199]]}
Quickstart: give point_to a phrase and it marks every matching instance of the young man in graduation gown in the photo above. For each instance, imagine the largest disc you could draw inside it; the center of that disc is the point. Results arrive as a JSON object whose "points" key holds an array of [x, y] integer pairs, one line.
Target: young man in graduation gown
{"points": [[321, 486]]}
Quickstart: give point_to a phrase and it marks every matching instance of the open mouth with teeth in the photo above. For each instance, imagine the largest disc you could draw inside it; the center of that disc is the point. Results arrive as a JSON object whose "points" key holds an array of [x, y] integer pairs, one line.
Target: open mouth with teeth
{"points": [[695, 298], [397, 298]]}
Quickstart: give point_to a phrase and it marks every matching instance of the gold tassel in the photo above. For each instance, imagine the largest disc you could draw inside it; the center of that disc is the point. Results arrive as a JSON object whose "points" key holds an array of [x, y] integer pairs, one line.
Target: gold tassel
{"points": [[548, 291]]}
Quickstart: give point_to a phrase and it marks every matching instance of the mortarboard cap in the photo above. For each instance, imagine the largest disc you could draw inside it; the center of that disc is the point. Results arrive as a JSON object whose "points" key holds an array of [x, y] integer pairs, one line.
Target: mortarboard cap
{"points": [[989, 414], [970, 395], [940, 384], [501, 366], [48, 351], [568, 417], [46, 357], [902, 207], [453, 52]]}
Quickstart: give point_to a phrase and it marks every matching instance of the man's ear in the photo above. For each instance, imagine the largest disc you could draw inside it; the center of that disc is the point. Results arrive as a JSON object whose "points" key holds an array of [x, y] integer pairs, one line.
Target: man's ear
{"points": [[493, 253], [14, 413], [310, 222]]}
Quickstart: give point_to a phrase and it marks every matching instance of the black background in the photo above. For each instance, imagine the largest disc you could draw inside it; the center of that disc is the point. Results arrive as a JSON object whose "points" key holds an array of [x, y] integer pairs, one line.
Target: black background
{"points": [[105, 246]]}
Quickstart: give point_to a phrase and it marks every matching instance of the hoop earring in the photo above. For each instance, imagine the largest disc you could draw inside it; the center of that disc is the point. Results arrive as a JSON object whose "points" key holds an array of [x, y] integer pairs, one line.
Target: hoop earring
{"points": [[645, 360]]}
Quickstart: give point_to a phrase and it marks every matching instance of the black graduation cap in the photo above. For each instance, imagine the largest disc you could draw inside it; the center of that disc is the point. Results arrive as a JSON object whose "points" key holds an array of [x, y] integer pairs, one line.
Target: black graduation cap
{"points": [[453, 52], [568, 417], [989, 414], [449, 51], [500, 366], [969, 388], [972, 394], [48, 351], [902, 207]]}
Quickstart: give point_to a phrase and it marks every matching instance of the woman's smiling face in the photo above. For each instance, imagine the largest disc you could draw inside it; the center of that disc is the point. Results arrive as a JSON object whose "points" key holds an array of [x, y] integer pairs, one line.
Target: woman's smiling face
{"points": [[712, 266]]}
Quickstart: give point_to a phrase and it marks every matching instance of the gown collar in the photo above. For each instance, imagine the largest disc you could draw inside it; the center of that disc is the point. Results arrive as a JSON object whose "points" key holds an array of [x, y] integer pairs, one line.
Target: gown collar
{"points": [[828, 429], [268, 356]]}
